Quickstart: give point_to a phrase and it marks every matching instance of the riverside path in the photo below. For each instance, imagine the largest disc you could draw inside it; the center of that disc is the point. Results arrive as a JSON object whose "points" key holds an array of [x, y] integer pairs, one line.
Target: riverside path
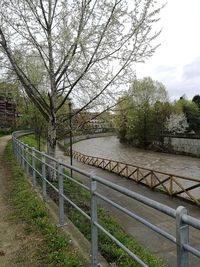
{"points": [[18, 245], [150, 240]]}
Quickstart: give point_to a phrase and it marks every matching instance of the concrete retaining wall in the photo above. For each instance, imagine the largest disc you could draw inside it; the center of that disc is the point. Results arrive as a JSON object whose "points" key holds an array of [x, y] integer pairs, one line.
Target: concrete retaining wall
{"points": [[180, 145], [84, 137]]}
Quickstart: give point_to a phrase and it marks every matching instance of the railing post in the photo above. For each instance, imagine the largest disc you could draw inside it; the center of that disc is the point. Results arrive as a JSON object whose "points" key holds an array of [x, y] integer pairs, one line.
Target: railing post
{"points": [[152, 179], [44, 184], [23, 161], [16, 151], [94, 230], [60, 189], [13, 146], [137, 179], [21, 153], [17, 148], [126, 171], [171, 186], [118, 168], [27, 163], [182, 237], [33, 168]]}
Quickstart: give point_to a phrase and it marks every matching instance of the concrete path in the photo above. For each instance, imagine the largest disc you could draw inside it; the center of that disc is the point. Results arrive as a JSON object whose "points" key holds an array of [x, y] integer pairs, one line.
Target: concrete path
{"points": [[146, 237]]}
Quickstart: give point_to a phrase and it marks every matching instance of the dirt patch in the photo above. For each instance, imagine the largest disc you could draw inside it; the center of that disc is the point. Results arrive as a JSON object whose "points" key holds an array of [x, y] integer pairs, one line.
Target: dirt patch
{"points": [[18, 243]]}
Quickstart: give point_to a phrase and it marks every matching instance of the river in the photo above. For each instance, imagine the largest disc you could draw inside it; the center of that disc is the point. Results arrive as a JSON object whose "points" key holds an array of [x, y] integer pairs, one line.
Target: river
{"points": [[111, 148]]}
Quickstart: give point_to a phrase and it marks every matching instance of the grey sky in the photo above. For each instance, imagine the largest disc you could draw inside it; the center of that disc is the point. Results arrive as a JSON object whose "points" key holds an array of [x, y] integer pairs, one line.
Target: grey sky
{"points": [[176, 63]]}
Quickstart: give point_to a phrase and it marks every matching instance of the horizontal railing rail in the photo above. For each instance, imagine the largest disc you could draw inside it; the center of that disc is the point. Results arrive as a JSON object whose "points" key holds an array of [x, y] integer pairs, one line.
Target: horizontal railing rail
{"points": [[37, 164], [172, 184]]}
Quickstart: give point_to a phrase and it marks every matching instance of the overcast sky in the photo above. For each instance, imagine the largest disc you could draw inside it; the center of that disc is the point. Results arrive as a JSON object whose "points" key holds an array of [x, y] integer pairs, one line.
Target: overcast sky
{"points": [[176, 62]]}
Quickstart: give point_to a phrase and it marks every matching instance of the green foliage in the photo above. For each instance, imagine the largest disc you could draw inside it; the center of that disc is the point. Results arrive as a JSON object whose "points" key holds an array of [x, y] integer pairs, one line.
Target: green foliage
{"points": [[29, 140], [55, 249], [33, 119], [196, 100], [4, 132], [9, 90], [142, 115], [191, 111], [160, 113], [193, 117]]}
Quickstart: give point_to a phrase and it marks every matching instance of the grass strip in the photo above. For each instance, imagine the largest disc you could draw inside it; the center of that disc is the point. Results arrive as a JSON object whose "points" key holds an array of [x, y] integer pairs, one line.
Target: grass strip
{"points": [[56, 250]]}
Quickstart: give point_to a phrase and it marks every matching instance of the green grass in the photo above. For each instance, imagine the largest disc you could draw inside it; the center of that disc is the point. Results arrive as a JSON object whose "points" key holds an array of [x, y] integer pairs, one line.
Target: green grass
{"points": [[55, 250], [30, 140], [108, 248], [4, 132]]}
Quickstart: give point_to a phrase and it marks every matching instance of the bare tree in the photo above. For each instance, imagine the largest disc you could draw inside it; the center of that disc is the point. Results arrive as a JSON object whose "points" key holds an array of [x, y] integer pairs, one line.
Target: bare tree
{"points": [[86, 48]]}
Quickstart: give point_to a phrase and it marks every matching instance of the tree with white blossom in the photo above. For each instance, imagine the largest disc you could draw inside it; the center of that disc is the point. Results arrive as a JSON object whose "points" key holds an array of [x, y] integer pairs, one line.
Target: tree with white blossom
{"points": [[86, 49], [177, 124]]}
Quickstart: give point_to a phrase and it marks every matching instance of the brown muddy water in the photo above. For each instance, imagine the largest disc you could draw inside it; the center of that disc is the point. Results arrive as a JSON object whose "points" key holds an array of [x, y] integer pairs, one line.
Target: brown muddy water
{"points": [[111, 148]]}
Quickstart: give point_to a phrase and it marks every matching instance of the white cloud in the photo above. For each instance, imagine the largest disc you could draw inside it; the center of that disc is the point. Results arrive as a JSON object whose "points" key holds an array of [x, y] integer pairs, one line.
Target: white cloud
{"points": [[192, 70], [176, 63]]}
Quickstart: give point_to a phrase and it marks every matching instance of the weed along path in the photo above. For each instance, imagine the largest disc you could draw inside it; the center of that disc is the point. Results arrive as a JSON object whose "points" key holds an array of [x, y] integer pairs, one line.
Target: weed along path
{"points": [[13, 240], [155, 243], [28, 236], [10, 233], [17, 245]]}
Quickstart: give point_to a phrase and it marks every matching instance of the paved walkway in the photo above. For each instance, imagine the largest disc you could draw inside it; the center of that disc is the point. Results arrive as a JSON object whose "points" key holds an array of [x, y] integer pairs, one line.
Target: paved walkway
{"points": [[154, 242]]}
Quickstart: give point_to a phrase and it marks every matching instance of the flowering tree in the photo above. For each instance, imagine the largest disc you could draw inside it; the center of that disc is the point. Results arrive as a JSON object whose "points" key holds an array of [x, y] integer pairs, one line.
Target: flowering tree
{"points": [[177, 124], [85, 49]]}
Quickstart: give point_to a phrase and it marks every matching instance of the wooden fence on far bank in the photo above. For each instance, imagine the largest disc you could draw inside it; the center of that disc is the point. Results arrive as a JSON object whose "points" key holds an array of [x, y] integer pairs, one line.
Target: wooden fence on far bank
{"points": [[172, 184]]}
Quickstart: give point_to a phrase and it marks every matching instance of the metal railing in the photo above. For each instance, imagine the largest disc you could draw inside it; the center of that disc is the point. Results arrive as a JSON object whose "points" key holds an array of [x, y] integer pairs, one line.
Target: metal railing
{"points": [[172, 184], [28, 158]]}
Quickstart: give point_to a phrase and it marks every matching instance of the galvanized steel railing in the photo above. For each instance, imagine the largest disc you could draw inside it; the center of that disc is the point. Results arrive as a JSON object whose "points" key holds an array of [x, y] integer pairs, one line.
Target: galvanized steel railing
{"points": [[27, 157], [172, 184]]}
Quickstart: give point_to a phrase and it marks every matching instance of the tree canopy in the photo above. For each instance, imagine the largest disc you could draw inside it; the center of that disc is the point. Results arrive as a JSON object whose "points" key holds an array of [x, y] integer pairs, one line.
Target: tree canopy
{"points": [[141, 116], [144, 115], [83, 49]]}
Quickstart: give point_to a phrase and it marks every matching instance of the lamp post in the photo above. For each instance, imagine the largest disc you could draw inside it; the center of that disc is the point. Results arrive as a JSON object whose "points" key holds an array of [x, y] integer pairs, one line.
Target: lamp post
{"points": [[70, 133]]}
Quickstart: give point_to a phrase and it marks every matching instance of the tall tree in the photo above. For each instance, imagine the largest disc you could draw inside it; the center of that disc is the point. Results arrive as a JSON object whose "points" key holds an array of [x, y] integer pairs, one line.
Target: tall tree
{"points": [[196, 100], [177, 124], [160, 114], [147, 98], [146, 94], [85, 48], [192, 113]]}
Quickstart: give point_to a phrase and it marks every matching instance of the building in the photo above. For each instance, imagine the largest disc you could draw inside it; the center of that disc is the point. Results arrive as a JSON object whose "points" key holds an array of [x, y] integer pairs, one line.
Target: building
{"points": [[7, 112], [90, 121]]}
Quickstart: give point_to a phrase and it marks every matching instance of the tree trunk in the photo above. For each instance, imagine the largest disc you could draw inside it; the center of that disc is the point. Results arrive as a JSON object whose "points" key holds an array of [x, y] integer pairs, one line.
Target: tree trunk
{"points": [[51, 146]]}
